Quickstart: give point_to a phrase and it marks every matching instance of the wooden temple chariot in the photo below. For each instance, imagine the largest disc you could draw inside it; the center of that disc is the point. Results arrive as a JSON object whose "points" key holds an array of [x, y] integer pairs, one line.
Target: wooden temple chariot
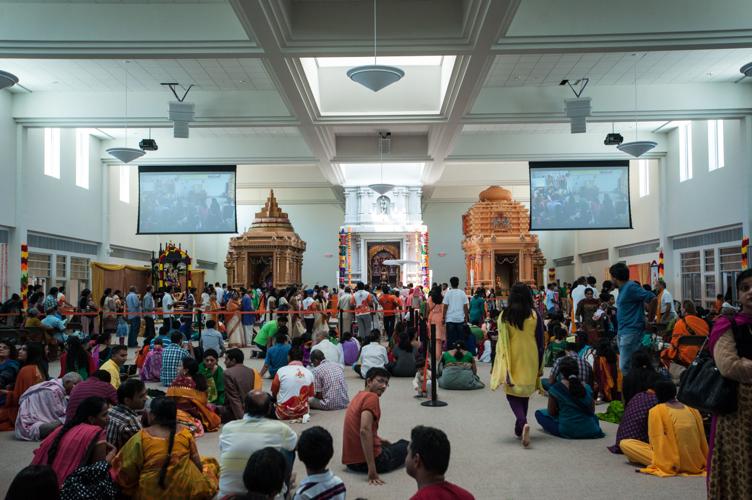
{"points": [[270, 253], [499, 248]]}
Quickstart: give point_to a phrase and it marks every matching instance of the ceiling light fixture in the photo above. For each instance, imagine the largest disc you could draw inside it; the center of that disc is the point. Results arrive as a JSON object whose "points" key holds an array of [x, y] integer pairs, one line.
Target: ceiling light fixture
{"points": [[126, 154], [577, 109], [7, 80], [375, 76], [385, 139], [636, 148]]}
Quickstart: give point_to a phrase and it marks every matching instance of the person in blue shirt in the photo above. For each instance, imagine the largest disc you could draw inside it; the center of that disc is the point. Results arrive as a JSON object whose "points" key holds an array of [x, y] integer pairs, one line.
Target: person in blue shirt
{"points": [[630, 314], [133, 306], [276, 356], [54, 323], [247, 320]]}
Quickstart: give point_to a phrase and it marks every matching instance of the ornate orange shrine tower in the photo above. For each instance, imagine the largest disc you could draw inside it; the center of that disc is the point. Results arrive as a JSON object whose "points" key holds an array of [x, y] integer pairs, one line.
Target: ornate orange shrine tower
{"points": [[270, 253], [499, 248]]}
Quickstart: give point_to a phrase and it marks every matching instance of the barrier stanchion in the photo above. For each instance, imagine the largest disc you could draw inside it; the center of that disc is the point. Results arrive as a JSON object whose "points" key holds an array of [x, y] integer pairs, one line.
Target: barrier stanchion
{"points": [[433, 402]]}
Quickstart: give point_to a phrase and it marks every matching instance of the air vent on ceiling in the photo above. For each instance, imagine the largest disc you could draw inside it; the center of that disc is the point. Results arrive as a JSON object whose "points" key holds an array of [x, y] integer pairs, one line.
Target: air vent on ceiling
{"points": [[586, 258], [639, 249], [564, 261], [130, 253], [709, 238], [62, 244]]}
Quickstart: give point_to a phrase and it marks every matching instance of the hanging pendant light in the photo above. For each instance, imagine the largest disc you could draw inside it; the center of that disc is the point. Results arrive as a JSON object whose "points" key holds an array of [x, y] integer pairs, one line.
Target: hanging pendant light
{"points": [[375, 76], [382, 188], [7, 80], [126, 154], [636, 148]]}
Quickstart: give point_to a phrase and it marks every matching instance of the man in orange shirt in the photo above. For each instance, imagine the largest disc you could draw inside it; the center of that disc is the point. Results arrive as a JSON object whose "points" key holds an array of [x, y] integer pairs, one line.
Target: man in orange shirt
{"points": [[362, 448], [390, 304]]}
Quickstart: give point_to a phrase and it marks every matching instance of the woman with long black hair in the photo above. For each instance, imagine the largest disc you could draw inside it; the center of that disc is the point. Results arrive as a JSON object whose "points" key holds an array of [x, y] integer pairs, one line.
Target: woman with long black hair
{"points": [[518, 364], [436, 319], [33, 371], [76, 359], [162, 461]]}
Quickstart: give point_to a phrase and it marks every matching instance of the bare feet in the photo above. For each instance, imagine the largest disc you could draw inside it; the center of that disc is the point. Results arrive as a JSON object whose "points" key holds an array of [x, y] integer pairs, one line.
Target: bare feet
{"points": [[526, 436]]}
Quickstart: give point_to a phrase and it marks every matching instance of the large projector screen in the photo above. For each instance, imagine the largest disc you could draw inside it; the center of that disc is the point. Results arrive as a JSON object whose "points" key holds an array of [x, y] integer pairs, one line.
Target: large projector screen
{"points": [[186, 199], [579, 195]]}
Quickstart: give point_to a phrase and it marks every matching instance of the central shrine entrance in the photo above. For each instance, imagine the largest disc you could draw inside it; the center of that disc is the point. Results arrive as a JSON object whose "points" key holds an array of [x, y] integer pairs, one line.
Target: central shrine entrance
{"points": [[379, 273], [260, 271], [506, 270]]}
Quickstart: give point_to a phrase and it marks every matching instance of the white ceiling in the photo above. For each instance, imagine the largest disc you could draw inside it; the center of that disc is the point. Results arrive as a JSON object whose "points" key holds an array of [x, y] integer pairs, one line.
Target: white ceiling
{"points": [[617, 68], [117, 1], [556, 128], [200, 132], [61, 75]]}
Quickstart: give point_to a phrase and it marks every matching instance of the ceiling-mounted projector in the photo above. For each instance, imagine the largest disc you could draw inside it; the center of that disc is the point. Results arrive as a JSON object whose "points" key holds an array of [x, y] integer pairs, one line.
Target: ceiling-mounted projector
{"points": [[613, 139], [148, 145], [181, 114], [577, 110]]}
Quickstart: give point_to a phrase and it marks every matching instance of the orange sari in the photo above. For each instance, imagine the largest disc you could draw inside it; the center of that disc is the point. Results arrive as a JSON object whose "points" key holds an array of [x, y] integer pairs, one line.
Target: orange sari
{"points": [[195, 403], [684, 355], [28, 376]]}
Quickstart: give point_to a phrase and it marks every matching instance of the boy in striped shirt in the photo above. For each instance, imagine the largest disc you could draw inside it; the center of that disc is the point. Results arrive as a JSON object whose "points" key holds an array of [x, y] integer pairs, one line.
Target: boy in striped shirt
{"points": [[315, 450]]}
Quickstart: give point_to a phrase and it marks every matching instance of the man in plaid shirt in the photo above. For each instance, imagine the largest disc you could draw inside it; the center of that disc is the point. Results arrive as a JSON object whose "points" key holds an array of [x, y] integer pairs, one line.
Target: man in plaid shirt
{"points": [[585, 371], [172, 358], [329, 384], [124, 421]]}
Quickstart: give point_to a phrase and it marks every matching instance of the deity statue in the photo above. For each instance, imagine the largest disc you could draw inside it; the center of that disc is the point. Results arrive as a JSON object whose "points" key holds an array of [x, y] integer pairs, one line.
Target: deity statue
{"points": [[383, 202]]}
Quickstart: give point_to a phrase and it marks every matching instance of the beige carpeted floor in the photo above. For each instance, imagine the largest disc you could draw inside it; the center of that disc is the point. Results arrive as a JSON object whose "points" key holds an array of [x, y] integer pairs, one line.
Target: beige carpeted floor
{"points": [[486, 457]]}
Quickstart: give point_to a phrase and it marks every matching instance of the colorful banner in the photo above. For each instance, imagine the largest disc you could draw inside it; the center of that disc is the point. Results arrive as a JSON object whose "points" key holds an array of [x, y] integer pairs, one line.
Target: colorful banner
{"points": [[349, 256], [745, 253], [25, 275]]}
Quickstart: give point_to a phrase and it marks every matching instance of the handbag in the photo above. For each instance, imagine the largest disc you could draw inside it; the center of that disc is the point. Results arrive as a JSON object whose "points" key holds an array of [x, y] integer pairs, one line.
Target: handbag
{"points": [[90, 482], [703, 387]]}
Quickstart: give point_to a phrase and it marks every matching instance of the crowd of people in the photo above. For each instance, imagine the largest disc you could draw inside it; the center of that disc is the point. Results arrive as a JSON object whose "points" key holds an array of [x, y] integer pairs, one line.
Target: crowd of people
{"points": [[121, 429]]}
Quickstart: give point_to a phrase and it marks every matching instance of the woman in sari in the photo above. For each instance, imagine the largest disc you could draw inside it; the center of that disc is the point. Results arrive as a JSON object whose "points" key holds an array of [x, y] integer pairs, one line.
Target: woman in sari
{"points": [[235, 337], [152, 363], [81, 441], [33, 371], [584, 314], [213, 308], [689, 324], [76, 359], [108, 304], [518, 365], [9, 367], [606, 373], [162, 461], [436, 319], [215, 377], [458, 370], [189, 392]]}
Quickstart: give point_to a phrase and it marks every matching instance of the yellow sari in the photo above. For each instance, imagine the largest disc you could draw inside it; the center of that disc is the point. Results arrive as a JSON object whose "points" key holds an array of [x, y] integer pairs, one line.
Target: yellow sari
{"points": [[136, 469], [517, 367]]}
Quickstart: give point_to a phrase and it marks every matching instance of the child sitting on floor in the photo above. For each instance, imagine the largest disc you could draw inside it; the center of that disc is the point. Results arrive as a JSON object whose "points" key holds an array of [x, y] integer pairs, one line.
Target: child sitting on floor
{"points": [[556, 347], [315, 450]]}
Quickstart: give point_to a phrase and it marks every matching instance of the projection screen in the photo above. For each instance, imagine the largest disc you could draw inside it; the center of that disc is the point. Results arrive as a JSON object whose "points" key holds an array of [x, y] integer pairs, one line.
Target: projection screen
{"points": [[579, 195], [186, 199]]}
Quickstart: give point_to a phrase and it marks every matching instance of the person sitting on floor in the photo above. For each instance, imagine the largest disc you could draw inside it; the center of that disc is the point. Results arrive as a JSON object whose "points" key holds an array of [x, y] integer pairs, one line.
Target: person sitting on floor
{"points": [[215, 377], [276, 355], [76, 359], [362, 448], [404, 364], [161, 461], [677, 444], [350, 348], [330, 387], [315, 450], [9, 366], [212, 339], [688, 324], [42, 407], [118, 357], [641, 377], [292, 387], [189, 390], [34, 481], [239, 381], [585, 371], [33, 371], [239, 439], [427, 462], [124, 421], [571, 408], [80, 441], [555, 347], [172, 359], [634, 422], [458, 371], [606, 373], [333, 352], [97, 385], [372, 355], [152, 363], [265, 476], [143, 352]]}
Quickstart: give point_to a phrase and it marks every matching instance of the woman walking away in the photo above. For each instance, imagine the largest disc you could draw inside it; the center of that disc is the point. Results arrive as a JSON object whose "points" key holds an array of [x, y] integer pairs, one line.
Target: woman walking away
{"points": [[518, 365], [162, 461], [730, 457], [571, 408]]}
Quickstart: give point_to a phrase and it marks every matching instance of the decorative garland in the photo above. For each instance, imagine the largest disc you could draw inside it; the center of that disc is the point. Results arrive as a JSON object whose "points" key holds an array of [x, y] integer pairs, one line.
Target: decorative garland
{"points": [[660, 264], [745, 253], [25, 275], [424, 260], [349, 256], [342, 257], [170, 248]]}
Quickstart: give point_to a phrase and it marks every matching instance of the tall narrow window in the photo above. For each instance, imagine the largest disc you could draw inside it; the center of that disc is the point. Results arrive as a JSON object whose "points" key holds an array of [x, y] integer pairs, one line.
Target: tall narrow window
{"points": [[52, 152], [642, 166], [715, 145], [82, 158], [125, 184], [685, 151]]}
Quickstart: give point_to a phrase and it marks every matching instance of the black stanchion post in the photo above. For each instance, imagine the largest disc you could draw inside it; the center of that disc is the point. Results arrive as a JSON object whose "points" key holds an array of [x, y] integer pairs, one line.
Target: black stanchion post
{"points": [[341, 322], [433, 401]]}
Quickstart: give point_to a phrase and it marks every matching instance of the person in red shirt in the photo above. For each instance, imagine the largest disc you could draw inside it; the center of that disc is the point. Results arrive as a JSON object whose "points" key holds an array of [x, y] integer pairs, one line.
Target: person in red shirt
{"points": [[427, 462], [362, 448], [390, 304]]}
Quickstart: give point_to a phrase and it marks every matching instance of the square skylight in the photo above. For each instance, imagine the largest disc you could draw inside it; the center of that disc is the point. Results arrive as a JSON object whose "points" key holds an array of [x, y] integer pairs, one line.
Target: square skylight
{"points": [[420, 92]]}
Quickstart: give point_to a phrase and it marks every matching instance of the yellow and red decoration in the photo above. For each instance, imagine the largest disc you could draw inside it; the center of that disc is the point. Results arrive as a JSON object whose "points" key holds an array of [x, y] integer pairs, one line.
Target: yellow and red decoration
{"points": [[660, 264], [172, 254], [24, 274], [745, 253]]}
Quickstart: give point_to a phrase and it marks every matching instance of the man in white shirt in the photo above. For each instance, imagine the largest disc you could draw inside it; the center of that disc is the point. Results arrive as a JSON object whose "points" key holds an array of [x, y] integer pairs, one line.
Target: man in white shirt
{"points": [[456, 313], [363, 302], [292, 386], [666, 309], [241, 438], [308, 317], [371, 355], [346, 306], [167, 301], [333, 353]]}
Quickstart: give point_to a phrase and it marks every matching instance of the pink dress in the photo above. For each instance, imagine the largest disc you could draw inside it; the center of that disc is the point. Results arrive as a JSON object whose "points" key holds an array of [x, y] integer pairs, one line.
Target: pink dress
{"points": [[435, 317]]}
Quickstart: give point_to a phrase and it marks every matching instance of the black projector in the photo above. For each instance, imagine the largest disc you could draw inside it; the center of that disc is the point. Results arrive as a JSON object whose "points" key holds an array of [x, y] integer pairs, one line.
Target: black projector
{"points": [[148, 144], [611, 140]]}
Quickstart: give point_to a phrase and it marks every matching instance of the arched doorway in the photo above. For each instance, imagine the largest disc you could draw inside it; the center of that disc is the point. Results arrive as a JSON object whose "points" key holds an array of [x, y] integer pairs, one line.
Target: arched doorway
{"points": [[379, 273]]}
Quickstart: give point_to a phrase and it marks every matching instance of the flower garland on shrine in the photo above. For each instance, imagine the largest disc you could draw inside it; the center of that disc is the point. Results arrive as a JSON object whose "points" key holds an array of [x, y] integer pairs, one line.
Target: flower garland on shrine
{"points": [[173, 255], [342, 257], [349, 256], [424, 260], [24, 275]]}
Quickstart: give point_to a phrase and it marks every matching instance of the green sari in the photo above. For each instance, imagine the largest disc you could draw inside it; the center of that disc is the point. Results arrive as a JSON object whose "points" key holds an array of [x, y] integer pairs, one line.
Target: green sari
{"points": [[215, 382]]}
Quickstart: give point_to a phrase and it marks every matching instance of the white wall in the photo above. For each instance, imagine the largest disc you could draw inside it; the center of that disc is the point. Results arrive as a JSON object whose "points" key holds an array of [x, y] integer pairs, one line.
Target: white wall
{"points": [[444, 221], [7, 161]]}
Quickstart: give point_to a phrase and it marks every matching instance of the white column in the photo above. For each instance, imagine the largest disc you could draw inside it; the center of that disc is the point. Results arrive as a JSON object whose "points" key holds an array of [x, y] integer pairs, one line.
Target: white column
{"points": [[415, 216], [351, 205], [19, 234], [745, 133]]}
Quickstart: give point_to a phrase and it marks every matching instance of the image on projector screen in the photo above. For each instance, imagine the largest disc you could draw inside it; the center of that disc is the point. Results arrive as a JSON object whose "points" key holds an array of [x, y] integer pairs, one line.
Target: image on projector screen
{"points": [[173, 200], [580, 196]]}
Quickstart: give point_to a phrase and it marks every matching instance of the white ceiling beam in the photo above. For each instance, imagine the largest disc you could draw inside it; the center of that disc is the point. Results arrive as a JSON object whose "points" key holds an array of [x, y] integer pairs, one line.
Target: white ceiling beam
{"points": [[469, 74]]}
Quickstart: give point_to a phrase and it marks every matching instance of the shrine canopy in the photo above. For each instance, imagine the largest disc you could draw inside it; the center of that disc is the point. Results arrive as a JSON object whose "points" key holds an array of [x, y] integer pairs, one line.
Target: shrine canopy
{"points": [[499, 247]]}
